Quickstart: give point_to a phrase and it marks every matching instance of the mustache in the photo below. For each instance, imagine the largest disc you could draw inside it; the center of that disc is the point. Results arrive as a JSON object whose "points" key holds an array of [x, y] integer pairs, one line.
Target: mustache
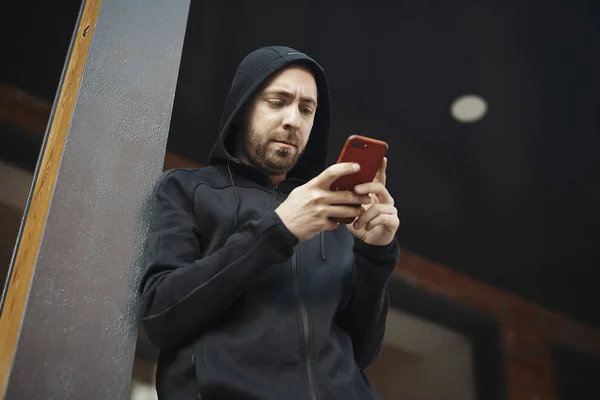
{"points": [[289, 137]]}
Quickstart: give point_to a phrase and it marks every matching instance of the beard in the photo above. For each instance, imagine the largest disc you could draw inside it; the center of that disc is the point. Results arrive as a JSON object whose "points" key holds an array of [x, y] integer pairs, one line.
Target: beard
{"points": [[265, 155]]}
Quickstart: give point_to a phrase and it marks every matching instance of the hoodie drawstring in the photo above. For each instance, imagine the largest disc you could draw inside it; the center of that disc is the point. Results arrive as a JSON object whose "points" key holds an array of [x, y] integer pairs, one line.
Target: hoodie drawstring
{"points": [[322, 246], [235, 213]]}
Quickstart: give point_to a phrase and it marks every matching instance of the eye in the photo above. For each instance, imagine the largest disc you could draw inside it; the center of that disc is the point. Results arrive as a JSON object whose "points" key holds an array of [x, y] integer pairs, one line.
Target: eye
{"points": [[307, 110], [275, 103]]}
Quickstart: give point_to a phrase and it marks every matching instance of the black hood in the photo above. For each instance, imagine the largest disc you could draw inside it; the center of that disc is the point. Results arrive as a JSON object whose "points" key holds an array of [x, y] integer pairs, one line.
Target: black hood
{"points": [[252, 73]]}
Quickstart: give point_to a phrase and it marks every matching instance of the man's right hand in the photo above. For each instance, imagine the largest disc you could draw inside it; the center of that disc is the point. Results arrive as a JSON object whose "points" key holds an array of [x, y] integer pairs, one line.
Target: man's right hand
{"points": [[307, 209]]}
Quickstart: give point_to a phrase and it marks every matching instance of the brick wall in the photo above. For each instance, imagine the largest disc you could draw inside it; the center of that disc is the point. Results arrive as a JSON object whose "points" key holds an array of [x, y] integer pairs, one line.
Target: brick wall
{"points": [[527, 329]]}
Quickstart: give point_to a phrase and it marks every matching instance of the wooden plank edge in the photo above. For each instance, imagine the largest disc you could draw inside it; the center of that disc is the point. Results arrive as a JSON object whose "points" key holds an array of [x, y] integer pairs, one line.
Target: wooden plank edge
{"points": [[25, 260]]}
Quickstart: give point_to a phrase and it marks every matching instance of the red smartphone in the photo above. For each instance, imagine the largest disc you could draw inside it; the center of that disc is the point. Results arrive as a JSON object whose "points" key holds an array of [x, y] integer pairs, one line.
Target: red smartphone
{"points": [[367, 152]]}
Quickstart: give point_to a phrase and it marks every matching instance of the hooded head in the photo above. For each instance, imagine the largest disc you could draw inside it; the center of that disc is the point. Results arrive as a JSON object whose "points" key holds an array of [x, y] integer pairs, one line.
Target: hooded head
{"points": [[243, 130]]}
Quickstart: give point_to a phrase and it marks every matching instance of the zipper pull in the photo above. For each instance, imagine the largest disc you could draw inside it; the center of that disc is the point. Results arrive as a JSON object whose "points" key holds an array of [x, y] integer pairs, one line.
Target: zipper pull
{"points": [[278, 195]]}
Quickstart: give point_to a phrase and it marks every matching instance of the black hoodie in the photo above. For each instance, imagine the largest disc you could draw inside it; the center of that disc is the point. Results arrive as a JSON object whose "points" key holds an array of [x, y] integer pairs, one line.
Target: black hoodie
{"points": [[239, 308]]}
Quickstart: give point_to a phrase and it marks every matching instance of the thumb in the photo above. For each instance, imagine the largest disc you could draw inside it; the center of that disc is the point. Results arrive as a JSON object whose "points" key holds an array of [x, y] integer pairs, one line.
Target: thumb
{"points": [[327, 177]]}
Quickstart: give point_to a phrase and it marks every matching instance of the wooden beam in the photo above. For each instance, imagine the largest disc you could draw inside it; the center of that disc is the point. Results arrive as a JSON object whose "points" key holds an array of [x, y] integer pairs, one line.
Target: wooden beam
{"points": [[31, 113], [24, 264], [528, 332], [73, 322]]}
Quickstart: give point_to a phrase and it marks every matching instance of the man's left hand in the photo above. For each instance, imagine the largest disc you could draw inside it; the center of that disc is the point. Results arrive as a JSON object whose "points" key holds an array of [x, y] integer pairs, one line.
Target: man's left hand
{"points": [[379, 221]]}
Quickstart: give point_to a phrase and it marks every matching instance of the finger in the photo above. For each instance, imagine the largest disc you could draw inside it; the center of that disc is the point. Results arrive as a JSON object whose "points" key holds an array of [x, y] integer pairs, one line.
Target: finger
{"points": [[381, 176], [374, 199], [369, 187], [331, 225], [346, 197], [343, 211], [377, 189], [385, 220], [327, 177], [372, 213]]}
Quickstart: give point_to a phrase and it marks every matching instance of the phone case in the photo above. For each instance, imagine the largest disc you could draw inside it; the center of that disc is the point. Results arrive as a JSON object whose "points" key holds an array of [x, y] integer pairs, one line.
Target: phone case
{"points": [[367, 152]]}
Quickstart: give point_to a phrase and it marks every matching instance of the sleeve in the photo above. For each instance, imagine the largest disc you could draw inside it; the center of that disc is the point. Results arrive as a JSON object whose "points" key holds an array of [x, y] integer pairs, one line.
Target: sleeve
{"points": [[364, 317], [182, 293]]}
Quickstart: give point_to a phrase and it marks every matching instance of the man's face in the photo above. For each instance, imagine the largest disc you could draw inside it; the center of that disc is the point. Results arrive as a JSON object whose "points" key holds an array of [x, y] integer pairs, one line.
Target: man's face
{"points": [[278, 121]]}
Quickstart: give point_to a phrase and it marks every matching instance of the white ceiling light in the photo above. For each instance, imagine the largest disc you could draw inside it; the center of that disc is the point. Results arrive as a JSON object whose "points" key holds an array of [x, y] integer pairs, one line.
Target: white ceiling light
{"points": [[468, 108]]}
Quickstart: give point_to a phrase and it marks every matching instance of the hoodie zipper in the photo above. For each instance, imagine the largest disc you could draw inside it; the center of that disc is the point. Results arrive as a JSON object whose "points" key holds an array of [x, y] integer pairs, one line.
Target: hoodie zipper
{"points": [[278, 194], [305, 344]]}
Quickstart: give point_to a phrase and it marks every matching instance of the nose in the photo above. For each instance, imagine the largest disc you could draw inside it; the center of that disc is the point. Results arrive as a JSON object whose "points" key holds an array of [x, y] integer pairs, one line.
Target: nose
{"points": [[291, 120]]}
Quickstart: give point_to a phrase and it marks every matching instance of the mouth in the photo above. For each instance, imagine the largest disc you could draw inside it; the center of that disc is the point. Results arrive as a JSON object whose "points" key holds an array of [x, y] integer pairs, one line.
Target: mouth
{"points": [[284, 143]]}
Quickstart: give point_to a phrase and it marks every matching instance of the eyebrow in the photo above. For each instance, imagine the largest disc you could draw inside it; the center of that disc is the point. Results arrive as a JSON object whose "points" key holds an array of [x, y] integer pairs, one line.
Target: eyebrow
{"points": [[289, 95]]}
